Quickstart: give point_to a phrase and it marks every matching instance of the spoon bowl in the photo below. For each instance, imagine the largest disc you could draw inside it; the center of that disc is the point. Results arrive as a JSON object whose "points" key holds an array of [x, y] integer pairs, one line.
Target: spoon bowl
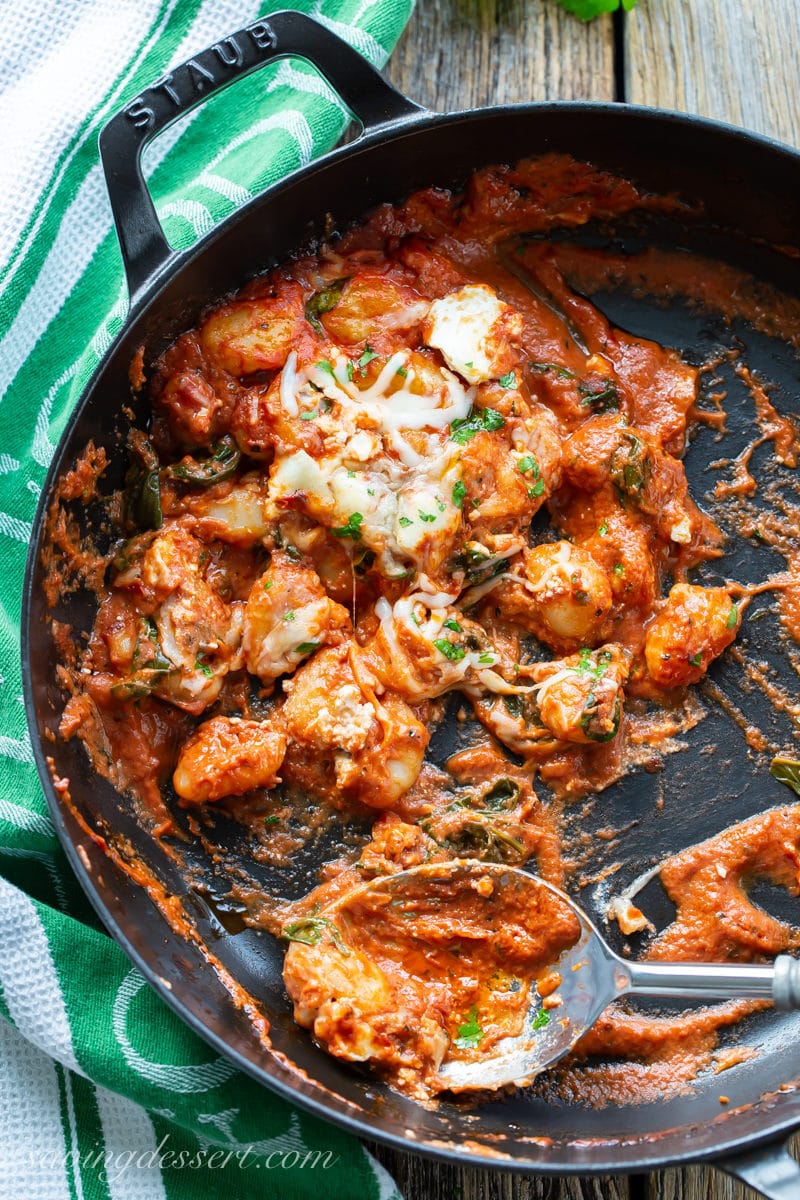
{"points": [[581, 980]]}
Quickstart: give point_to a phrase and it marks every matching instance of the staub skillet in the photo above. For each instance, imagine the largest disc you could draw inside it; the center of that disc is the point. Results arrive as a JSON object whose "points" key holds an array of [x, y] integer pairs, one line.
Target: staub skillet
{"points": [[750, 192]]}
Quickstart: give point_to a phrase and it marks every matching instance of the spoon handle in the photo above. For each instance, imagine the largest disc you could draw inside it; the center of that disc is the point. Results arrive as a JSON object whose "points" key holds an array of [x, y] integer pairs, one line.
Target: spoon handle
{"points": [[780, 981]]}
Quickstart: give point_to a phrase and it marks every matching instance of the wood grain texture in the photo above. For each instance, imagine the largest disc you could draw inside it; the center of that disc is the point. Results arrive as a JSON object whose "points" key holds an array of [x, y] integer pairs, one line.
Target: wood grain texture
{"points": [[422, 1179], [728, 59], [735, 61], [463, 53]]}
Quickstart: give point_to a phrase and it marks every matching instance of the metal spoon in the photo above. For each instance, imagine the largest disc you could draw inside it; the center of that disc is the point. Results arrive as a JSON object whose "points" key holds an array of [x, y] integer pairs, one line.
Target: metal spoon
{"points": [[592, 975]]}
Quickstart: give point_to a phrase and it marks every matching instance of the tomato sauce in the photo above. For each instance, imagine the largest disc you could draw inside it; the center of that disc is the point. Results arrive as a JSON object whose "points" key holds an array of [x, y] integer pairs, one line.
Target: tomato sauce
{"points": [[414, 462]]}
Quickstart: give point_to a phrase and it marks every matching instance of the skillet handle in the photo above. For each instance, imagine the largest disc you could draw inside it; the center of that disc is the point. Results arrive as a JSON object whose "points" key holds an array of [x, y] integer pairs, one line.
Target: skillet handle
{"points": [[769, 1170], [145, 250]]}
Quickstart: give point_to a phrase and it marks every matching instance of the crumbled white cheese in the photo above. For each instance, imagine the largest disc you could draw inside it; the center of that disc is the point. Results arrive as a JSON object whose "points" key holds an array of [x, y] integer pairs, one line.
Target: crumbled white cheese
{"points": [[473, 329], [681, 532], [345, 721]]}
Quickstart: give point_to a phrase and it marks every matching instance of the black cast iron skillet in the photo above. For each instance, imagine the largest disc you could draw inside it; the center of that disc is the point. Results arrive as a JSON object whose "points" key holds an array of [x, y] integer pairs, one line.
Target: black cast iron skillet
{"points": [[750, 188]]}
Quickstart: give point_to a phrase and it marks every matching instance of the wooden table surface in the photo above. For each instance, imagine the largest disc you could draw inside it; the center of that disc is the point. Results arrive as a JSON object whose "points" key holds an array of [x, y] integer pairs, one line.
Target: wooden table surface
{"points": [[735, 60]]}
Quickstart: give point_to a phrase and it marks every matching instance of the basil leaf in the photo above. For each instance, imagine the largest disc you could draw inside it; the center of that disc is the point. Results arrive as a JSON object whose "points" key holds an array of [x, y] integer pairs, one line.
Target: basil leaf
{"points": [[324, 301], [786, 770], [220, 464]]}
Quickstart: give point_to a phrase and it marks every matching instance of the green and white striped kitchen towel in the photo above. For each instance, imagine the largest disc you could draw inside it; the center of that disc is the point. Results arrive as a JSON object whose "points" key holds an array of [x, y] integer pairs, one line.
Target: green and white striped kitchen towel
{"points": [[104, 1093]]}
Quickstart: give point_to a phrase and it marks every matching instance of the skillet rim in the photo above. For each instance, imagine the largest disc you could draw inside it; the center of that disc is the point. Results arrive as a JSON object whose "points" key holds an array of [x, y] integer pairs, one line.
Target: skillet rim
{"points": [[421, 122]]}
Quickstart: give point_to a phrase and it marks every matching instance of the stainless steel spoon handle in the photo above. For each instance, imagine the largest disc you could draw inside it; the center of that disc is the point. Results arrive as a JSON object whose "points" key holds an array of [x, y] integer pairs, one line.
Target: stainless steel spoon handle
{"points": [[779, 982]]}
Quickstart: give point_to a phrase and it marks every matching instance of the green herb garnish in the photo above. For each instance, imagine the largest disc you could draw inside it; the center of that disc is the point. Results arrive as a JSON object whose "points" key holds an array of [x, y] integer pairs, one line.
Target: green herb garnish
{"points": [[733, 617], [307, 647], [508, 381], [459, 492], [452, 623], [449, 649], [479, 419], [405, 522], [469, 1035], [352, 529], [366, 358]]}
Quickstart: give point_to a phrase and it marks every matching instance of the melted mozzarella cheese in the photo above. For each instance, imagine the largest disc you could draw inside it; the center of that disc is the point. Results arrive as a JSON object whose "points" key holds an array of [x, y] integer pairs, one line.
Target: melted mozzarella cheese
{"points": [[401, 493], [472, 328]]}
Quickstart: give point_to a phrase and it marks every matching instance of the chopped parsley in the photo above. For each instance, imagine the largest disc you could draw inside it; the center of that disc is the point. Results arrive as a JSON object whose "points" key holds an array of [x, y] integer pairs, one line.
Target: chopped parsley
{"points": [[350, 371], [486, 657], [405, 522], [469, 1035], [352, 529], [427, 517], [366, 358], [459, 492], [541, 1019], [695, 660], [449, 649], [479, 419], [528, 463], [289, 616], [307, 647], [327, 367], [452, 623], [536, 489], [591, 663], [733, 617], [268, 583], [619, 569], [204, 667], [603, 530], [508, 381], [402, 372]]}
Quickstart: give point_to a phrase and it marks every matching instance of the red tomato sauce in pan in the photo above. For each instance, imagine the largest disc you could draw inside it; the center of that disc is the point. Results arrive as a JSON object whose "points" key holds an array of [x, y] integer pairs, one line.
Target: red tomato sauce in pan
{"points": [[413, 463]]}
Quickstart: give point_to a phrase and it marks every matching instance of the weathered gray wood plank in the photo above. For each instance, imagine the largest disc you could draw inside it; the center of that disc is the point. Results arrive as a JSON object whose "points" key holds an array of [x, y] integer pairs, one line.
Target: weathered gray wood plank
{"points": [[462, 53], [737, 62], [422, 1179]]}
